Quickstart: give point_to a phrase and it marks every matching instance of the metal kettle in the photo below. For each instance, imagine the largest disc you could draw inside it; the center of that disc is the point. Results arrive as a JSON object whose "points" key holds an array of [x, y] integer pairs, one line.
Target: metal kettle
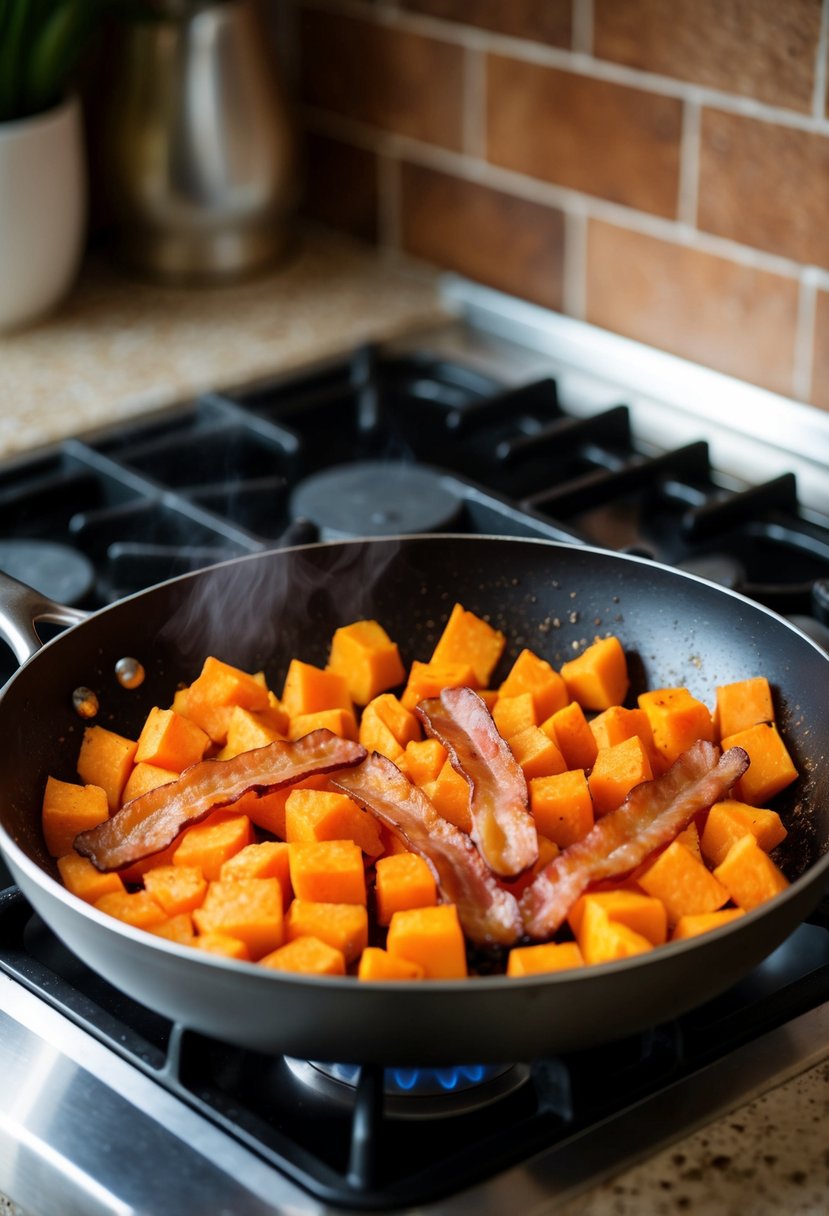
{"points": [[198, 146]]}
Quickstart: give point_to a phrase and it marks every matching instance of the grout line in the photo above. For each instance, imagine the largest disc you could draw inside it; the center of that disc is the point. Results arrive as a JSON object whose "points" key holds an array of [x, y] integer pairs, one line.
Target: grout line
{"points": [[574, 289], [582, 20], [474, 102], [688, 192], [805, 336], [819, 90]]}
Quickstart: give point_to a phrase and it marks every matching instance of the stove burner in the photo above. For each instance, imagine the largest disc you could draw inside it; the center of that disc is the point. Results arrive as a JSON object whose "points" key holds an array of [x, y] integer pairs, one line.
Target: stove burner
{"points": [[720, 568], [376, 498], [55, 570], [418, 1093]]}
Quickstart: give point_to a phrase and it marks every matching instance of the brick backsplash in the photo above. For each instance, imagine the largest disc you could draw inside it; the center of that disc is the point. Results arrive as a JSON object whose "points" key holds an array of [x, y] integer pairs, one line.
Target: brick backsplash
{"points": [[656, 167]]}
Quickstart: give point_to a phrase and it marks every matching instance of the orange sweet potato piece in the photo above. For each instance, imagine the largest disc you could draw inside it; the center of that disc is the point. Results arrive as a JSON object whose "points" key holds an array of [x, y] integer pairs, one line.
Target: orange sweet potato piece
{"points": [[616, 771], [178, 928], [267, 811], [771, 768], [386, 726], [328, 872], [403, 881], [224, 944], [146, 777], [84, 880], [137, 908], [170, 741], [251, 728], [561, 806], [176, 888], [644, 914], [339, 721], [68, 809], [728, 821], [742, 704], [328, 815], [218, 687], [571, 733], [422, 761], [268, 859], [536, 753], [307, 955], [209, 844], [135, 873], [616, 723], [308, 689], [749, 875], [449, 794], [598, 677], [683, 883], [343, 926], [603, 940], [530, 673], [431, 937], [692, 926], [366, 657], [248, 909], [513, 714], [427, 679], [549, 956], [377, 964], [677, 720], [106, 759], [468, 639]]}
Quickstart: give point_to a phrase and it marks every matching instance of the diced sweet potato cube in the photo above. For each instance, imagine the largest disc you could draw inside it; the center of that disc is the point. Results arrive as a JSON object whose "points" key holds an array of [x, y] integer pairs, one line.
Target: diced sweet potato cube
{"points": [[427, 680], [341, 722], [85, 880], [308, 689], [69, 809], [690, 838], [771, 767], [598, 677], [603, 940], [169, 740], [249, 909], [514, 714], [422, 760], [615, 724], [536, 753], [328, 872], [377, 964], [343, 926], [135, 873], [268, 810], [176, 888], [743, 704], [328, 815], [403, 881], [431, 937], [387, 726], [146, 777], [684, 885], [137, 908], [677, 720], [468, 639], [269, 859], [224, 944], [449, 794], [208, 845], [530, 673], [366, 657], [571, 733], [728, 821], [692, 926], [616, 771], [106, 759], [178, 928], [749, 875], [218, 687], [562, 807], [549, 956], [644, 914], [248, 729], [306, 955]]}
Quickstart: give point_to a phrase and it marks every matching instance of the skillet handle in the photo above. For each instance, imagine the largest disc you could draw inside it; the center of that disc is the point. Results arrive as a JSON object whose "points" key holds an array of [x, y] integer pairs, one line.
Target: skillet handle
{"points": [[21, 607]]}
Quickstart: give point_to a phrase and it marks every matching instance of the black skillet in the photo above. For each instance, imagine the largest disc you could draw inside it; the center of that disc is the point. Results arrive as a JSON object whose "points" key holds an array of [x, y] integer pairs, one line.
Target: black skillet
{"points": [[258, 612]]}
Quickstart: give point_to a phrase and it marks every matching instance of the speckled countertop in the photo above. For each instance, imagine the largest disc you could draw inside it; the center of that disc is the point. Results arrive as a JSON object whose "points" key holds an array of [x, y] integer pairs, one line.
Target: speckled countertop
{"points": [[118, 348]]}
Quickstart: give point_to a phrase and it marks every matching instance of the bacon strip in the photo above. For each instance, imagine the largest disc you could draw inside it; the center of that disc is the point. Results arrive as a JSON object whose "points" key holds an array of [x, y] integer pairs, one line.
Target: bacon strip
{"points": [[652, 815], [502, 826], [151, 822], [488, 914]]}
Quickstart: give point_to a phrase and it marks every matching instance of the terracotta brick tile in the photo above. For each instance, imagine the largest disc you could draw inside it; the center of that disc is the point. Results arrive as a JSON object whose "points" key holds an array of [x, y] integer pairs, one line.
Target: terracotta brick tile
{"points": [[758, 48], [390, 78], [820, 366], [765, 185], [491, 237], [708, 309], [547, 21], [604, 139], [341, 186]]}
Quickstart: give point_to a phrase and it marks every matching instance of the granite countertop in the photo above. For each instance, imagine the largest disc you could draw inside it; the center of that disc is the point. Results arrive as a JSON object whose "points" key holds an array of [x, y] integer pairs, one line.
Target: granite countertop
{"points": [[118, 348]]}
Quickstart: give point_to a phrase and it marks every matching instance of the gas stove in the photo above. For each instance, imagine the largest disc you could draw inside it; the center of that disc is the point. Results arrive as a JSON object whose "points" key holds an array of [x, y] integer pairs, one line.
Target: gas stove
{"points": [[503, 420]]}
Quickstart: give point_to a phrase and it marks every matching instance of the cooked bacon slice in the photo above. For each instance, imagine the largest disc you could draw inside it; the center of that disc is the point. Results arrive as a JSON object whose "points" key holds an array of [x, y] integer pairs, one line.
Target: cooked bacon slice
{"points": [[151, 822], [651, 816], [502, 826], [488, 914]]}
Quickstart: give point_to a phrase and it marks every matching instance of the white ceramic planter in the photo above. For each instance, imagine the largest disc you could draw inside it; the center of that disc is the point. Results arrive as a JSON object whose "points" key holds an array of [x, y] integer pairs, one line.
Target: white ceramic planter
{"points": [[42, 211]]}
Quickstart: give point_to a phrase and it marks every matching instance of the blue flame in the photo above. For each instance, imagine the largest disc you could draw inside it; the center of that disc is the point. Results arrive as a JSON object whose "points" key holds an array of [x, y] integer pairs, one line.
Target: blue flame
{"points": [[422, 1081]]}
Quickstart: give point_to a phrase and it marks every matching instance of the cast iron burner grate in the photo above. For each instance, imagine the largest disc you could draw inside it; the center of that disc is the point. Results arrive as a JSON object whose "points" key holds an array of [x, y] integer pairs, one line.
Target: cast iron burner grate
{"points": [[354, 1151]]}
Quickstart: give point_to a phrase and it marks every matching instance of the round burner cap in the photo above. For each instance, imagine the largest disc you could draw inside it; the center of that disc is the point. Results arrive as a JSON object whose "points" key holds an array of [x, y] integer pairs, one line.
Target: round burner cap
{"points": [[376, 498], [53, 569]]}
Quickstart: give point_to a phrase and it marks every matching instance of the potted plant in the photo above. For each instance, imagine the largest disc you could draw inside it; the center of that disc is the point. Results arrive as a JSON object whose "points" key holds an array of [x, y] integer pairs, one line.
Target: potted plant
{"points": [[42, 166]]}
